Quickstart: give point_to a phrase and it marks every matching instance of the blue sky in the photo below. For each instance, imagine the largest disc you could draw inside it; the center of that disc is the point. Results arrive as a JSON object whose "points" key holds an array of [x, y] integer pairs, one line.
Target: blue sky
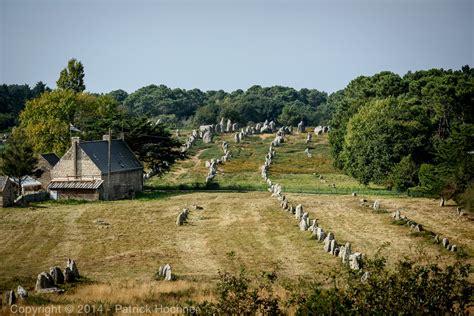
{"points": [[230, 44]]}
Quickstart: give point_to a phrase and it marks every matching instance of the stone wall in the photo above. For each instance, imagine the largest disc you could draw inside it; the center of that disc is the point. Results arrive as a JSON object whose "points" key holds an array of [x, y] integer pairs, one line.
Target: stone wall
{"points": [[86, 169]]}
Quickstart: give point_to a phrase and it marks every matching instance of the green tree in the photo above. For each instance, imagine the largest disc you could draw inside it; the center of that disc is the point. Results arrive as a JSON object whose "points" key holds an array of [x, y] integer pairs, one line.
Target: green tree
{"points": [[18, 159], [72, 77], [152, 144], [47, 119]]}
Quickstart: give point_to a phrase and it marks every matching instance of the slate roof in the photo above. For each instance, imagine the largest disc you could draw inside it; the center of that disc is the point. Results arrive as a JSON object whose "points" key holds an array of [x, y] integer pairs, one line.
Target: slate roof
{"points": [[122, 158], [51, 158]]}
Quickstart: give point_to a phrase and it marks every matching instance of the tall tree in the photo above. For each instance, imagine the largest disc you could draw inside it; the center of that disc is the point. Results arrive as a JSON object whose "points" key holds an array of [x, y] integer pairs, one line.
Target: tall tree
{"points": [[72, 77], [18, 158]]}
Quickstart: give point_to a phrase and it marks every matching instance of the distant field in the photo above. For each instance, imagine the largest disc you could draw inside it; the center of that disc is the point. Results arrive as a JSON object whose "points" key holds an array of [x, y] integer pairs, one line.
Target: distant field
{"points": [[292, 168]]}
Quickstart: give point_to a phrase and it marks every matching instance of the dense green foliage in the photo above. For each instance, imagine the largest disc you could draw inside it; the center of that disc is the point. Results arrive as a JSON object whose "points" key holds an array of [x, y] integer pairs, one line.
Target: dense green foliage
{"points": [[17, 159], [385, 127], [12, 101], [411, 289], [257, 104]]}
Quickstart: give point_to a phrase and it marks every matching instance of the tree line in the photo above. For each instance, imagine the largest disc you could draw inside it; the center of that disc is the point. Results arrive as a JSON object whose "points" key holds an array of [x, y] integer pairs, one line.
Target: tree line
{"points": [[413, 132], [179, 107]]}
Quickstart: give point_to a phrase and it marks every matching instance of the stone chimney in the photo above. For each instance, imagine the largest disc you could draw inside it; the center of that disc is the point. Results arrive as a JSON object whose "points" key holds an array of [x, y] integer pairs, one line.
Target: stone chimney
{"points": [[75, 142]]}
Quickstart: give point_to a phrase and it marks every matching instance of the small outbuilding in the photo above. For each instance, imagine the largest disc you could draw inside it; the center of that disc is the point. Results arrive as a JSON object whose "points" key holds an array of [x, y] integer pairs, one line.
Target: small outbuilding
{"points": [[7, 192]]}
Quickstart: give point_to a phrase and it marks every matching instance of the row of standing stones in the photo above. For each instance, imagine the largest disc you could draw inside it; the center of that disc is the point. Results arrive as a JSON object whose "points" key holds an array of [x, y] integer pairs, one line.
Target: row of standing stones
{"points": [[416, 227], [353, 260], [419, 228], [47, 282], [206, 132]]}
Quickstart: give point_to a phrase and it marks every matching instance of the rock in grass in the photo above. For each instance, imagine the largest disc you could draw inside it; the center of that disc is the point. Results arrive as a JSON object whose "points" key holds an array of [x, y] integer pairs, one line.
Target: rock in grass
{"points": [[454, 248], [445, 242], [355, 261], [345, 252], [418, 228], [299, 211], [396, 215], [376, 205], [22, 293], [57, 275], [327, 242], [71, 264], [303, 225], [69, 276], [10, 297], [320, 234], [44, 281]]}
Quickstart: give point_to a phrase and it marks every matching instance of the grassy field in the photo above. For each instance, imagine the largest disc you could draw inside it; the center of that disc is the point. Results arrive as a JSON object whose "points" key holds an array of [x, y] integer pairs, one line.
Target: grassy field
{"points": [[292, 168], [232, 230]]}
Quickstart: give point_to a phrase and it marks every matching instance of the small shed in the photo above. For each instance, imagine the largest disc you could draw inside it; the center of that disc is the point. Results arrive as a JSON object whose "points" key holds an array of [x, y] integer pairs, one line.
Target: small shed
{"points": [[7, 192]]}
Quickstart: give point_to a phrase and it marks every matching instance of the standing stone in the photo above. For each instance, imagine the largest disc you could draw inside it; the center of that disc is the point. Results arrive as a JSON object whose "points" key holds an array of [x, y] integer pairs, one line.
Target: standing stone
{"points": [[418, 228], [229, 126], [237, 138], [345, 252], [441, 202], [327, 242], [332, 247], [22, 293], [354, 194], [69, 276], [303, 225], [396, 215], [301, 127], [235, 127], [180, 220], [436, 239], [207, 137], [10, 298], [168, 275], [355, 261], [454, 248], [376, 205], [57, 275], [44, 281], [72, 265], [299, 211], [320, 234], [445, 242], [222, 125]]}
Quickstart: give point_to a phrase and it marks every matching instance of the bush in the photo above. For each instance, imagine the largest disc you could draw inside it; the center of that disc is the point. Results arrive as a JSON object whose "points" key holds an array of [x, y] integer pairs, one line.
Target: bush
{"points": [[236, 296], [411, 290]]}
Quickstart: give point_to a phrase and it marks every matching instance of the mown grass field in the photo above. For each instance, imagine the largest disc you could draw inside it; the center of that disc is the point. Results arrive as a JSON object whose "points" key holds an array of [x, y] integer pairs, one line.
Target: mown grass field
{"points": [[231, 231]]}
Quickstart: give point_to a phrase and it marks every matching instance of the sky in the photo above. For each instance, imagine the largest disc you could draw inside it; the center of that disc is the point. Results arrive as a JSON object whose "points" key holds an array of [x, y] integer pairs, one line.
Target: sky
{"points": [[230, 44]]}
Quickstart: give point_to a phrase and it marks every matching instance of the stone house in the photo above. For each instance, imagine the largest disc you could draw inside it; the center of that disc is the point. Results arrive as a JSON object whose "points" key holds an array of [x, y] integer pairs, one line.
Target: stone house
{"points": [[46, 162], [88, 172], [7, 192]]}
